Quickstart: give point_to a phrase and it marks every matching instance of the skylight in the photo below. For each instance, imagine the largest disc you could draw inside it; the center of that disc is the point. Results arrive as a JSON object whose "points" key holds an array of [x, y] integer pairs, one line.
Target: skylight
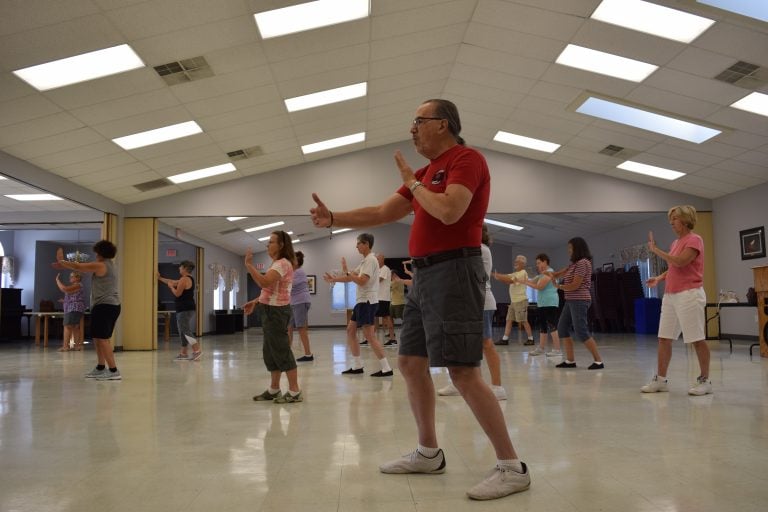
{"points": [[650, 170], [202, 173], [81, 68], [310, 15], [265, 226], [652, 19], [605, 63], [756, 102], [646, 120], [34, 197], [526, 142], [166, 133], [317, 99], [333, 143], [757, 9], [503, 224]]}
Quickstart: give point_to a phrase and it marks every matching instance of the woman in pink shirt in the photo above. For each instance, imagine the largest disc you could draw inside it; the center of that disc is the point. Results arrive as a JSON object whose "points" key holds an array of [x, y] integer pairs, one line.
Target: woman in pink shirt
{"points": [[682, 307], [274, 305]]}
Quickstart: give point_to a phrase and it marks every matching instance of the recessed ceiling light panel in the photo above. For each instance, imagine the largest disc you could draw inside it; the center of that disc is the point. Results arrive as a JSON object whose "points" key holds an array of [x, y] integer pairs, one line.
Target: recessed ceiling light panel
{"points": [[652, 19], [605, 63], [310, 15], [757, 9], [202, 173], [318, 99], [757, 103], [333, 143], [503, 224], [164, 134], [34, 197], [526, 142], [650, 170]]}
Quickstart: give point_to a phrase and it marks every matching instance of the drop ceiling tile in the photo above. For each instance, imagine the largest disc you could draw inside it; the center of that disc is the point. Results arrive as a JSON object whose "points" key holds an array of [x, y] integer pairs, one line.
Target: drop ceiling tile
{"points": [[694, 86], [143, 122], [417, 42], [755, 157], [109, 174], [604, 137], [495, 60], [323, 81], [738, 42], [26, 108], [93, 165], [55, 143], [252, 114], [747, 169], [741, 120], [734, 178], [38, 128], [672, 102], [126, 107], [38, 14], [221, 85], [317, 41], [75, 155], [701, 62], [185, 154], [708, 183], [413, 62], [528, 19], [322, 62], [505, 40], [181, 145], [236, 58], [234, 101], [685, 154], [99, 92], [420, 19]]}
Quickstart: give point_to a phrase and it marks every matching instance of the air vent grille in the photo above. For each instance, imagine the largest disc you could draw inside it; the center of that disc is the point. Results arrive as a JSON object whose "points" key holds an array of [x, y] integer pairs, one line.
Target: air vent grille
{"points": [[746, 75], [152, 185], [242, 154], [611, 150], [183, 71]]}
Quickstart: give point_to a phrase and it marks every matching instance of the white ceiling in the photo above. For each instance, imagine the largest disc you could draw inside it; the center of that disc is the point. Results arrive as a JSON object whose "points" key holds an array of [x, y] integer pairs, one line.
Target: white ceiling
{"points": [[494, 58]]}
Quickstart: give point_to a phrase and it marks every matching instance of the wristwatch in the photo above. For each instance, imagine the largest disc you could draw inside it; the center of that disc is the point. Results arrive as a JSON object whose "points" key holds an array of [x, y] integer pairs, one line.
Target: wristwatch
{"points": [[416, 184]]}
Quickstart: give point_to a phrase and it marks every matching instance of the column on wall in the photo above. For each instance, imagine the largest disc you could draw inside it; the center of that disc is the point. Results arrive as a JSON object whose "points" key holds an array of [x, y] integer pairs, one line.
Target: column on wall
{"points": [[705, 230], [199, 296], [139, 299]]}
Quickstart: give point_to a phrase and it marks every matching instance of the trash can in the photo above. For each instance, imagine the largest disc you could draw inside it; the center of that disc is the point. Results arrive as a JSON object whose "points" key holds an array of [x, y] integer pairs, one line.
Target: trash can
{"points": [[647, 312]]}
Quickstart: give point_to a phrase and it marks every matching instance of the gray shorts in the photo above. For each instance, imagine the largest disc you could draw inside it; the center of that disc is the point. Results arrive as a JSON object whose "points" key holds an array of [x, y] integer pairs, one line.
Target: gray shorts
{"points": [[73, 318], [185, 323], [443, 317], [300, 315]]}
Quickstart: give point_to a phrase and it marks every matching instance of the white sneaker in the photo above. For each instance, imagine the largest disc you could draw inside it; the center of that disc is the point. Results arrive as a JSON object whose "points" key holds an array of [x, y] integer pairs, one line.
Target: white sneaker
{"points": [[702, 387], [449, 390], [108, 374], [499, 392], [657, 385], [415, 462], [536, 352], [501, 482], [95, 373], [554, 353]]}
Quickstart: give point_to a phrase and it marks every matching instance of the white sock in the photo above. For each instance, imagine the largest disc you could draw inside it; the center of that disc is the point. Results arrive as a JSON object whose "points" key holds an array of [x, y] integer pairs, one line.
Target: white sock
{"points": [[513, 464], [428, 452], [569, 361], [505, 337], [297, 393], [357, 362], [192, 341], [385, 365], [273, 391]]}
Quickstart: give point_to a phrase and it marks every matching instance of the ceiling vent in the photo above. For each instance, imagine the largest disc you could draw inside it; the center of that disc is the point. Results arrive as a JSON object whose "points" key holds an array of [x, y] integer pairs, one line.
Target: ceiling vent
{"points": [[183, 71], [152, 185], [617, 151], [746, 75], [242, 154], [230, 231]]}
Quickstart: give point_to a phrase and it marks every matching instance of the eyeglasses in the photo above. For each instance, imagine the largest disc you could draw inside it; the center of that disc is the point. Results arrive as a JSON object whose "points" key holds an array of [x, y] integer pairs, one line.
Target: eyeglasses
{"points": [[417, 121]]}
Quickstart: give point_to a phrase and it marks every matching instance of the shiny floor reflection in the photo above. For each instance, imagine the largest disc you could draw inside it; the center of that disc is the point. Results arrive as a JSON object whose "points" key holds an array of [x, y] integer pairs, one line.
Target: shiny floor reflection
{"points": [[186, 436]]}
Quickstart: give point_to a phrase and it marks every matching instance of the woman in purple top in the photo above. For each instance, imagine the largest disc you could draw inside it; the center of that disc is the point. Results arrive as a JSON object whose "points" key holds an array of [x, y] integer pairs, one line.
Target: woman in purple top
{"points": [[74, 307], [300, 303], [574, 321]]}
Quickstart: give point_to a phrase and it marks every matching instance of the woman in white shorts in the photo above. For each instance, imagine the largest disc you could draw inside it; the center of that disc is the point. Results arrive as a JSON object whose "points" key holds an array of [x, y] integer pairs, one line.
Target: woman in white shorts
{"points": [[682, 307]]}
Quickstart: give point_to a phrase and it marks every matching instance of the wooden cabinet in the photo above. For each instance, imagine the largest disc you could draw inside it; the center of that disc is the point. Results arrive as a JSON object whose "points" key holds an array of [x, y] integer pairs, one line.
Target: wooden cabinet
{"points": [[11, 312]]}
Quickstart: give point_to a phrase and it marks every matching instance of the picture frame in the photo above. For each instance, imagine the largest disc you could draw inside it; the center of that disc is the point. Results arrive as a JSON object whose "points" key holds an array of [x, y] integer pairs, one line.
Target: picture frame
{"points": [[607, 267], [312, 284], [752, 243]]}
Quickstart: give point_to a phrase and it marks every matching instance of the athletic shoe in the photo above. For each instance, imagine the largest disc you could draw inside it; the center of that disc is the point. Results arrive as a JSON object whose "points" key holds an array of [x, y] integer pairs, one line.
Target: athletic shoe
{"points": [[266, 396], [657, 385], [353, 371], [382, 373], [501, 342], [95, 373], [304, 359], [287, 398], [702, 387], [196, 356], [596, 366], [565, 365], [536, 352], [529, 341], [501, 482], [364, 342], [391, 343], [499, 392], [554, 353], [449, 390], [108, 374], [415, 462], [181, 357]]}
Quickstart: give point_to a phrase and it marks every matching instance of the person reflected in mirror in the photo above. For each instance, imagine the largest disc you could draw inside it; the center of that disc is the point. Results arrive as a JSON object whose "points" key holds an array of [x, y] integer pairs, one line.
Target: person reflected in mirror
{"points": [[183, 290], [301, 301], [74, 309]]}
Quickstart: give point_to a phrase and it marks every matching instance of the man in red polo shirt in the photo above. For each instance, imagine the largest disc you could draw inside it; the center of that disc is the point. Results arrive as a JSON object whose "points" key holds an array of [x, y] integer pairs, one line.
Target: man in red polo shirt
{"points": [[442, 321]]}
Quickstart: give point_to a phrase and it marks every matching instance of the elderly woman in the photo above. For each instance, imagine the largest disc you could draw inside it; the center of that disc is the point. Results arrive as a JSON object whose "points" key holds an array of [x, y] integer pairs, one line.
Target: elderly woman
{"points": [[74, 308], [682, 307], [274, 305]]}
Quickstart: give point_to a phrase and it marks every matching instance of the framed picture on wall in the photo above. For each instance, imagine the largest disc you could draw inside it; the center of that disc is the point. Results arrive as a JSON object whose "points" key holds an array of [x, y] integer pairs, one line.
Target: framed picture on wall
{"points": [[752, 243], [311, 284], [607, 267]]}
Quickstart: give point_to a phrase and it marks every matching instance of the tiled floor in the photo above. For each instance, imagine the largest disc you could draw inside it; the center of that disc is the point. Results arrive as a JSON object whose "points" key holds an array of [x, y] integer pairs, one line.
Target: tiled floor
{"points": [[186, 436]]}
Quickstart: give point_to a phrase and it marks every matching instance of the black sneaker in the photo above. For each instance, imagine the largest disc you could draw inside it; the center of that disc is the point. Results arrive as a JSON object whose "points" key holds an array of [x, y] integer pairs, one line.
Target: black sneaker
{"points": [[565, 365], [364, 342], [353, 371], [501, 342], [381, 373], [391, 343], [304, 359], [596, 366], [529, 342]]}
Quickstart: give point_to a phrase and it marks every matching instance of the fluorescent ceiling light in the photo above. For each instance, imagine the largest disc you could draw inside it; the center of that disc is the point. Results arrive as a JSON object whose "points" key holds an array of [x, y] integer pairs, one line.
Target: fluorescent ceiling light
{"points": [[342, 230], [650, 170], [756, 102], [166, 133], [652, 19], [233, 219], [645, 120], [317, 99], [295, 241], [310, 15], [34, 197], [753, 8], [605, 63], [202, 173], [526, 142], [333, 143], [503, 224], [81, 68], [265, 226], [265, 238]]}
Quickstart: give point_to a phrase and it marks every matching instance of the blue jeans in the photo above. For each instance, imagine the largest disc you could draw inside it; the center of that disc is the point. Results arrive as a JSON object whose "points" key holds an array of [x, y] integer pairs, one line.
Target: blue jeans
{"points": [[574, 320]]}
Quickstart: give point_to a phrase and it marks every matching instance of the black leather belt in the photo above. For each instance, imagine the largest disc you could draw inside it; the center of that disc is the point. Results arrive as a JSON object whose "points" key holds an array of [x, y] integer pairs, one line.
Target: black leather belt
{"points": [[440, 257]]}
